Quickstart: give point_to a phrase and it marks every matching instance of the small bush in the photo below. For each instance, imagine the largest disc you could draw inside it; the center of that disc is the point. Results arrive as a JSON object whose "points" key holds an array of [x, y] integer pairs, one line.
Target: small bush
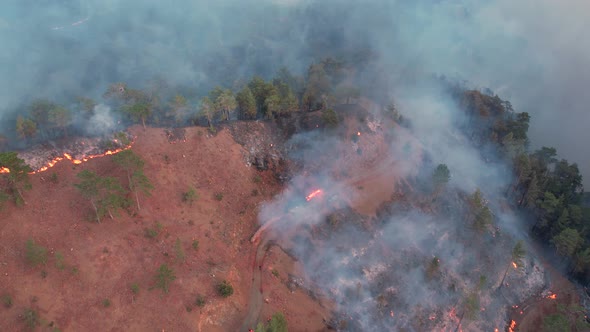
{"points": [[53, 177], [219, 196], [212, 129], [134, 288], [275, 273], [330, 118], [195, 244], [200, 301], [257, 178], [179, 251], [225, 289], [164, 277], [106, 303], [31, 318], [6, 300], [153, 232], [190, 196], [59, 261], [35, 254]]}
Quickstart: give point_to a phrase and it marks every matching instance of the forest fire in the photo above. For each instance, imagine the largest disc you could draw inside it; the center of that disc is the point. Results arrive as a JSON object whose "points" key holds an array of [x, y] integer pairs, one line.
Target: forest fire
{"points": [[514, 265], [4, 170], [552, 296], [512, 326], [69, 157], [313, 194]]}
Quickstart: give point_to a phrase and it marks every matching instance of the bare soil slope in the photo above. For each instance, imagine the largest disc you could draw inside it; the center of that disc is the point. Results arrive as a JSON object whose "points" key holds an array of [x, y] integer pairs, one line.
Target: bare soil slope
{"points": [[102, 261]]}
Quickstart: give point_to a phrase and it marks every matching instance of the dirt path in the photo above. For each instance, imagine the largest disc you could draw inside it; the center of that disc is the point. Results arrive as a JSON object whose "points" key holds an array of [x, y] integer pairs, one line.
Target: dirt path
{"points": [[255, 299]]}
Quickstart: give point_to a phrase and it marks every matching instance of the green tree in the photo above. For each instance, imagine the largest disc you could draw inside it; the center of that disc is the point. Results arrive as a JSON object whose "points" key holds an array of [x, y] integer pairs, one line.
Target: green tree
{"points": [[39, 111], [133, 166], [347, 92], [178, 108], [207, 109], [246, 103], [567, 242], [61, 118], [225, 103], [26, 128], [318, 85], [582, 260], [272, 104], [138, 112], [86, 105], [440, 177], [225, 289], [516, 255], [261, 90], [105, 193], [164, 277], [14, 182], [330, 118]]}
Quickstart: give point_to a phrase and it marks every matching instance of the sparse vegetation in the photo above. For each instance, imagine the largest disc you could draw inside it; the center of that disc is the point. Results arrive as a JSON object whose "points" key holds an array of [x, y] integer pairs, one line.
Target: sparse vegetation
{"points": [[35, 254], [53, 177], [330, 118], [225, 289], [275, 273], [257, 179], [200, 301], [134, 288], [180, 255], [153, 232], [218, 196], [277, 323], [190, 196], [164, 277], [59, 261], [195, 245], [106, 303]]}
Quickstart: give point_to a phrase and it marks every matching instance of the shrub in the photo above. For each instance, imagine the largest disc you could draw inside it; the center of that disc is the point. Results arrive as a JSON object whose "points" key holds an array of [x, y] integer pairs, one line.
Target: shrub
{"points": [[6, 300], [257, 178], [190, 196], [195, 244], [59, 261], [219, 196], [200, 301], [275, 273], [179, 251], [31, 318], [330, 118], [164, 276], [134, 288], [35, 254], [225, 289], [53, 177], [255, 192], [106, 303]]}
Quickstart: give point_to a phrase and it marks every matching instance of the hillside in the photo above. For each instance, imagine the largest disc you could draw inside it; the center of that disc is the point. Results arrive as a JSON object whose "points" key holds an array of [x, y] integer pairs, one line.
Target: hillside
{"points": [[102, 261]]}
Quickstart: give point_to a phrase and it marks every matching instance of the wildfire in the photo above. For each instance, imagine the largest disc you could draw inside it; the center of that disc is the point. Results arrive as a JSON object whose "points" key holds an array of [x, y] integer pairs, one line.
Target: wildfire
{"points": [[313, 194], [358, 133], [512, 326], [552, 296], [69, 157], [514, 264]]}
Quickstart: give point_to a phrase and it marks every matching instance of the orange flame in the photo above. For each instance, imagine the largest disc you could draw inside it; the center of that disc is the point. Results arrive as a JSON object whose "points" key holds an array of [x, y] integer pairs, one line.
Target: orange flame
{"points": [[358, 133], [313, 194], [69, 157], [514, 264], [512, 326], [552, 296]]}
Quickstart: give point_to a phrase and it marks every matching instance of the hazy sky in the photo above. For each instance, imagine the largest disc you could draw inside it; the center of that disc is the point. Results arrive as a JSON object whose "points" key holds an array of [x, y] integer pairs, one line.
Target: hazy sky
{"points": [[535, 53]]}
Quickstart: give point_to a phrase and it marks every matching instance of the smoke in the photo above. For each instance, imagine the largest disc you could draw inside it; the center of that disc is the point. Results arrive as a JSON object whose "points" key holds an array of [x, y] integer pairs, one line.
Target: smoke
{"points": [[530, 52], [102, 121]]}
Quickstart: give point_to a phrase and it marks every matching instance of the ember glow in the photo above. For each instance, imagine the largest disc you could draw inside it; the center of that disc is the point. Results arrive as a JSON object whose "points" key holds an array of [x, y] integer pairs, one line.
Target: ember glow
{"points": [[4, 170], [512, 326], [552, 296], [514, 264], [358, 133], [313, 194]]}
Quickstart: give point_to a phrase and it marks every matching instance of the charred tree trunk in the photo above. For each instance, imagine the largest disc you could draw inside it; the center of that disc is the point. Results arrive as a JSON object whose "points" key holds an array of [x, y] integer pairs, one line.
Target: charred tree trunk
{"points": [[504, 277]]}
